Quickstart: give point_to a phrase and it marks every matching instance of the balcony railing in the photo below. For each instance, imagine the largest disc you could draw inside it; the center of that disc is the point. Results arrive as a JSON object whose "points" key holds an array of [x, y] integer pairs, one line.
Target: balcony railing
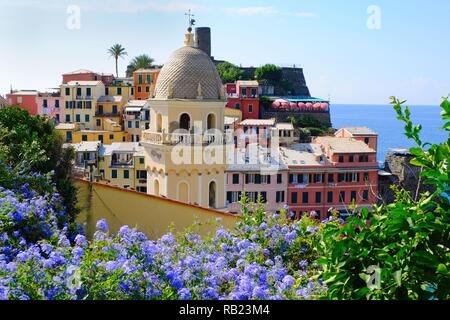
{"points": [[182, 138]]}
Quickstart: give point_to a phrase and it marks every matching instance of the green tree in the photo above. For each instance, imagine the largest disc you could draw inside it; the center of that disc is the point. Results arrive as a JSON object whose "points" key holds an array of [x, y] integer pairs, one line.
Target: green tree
{"points": [[229, 72], [142, 61], [31, 144], [117, 51], [269, 72], [400, 250]]}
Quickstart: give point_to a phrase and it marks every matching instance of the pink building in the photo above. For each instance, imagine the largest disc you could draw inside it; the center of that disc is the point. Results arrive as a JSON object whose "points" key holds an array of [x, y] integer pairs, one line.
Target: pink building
{"points": [[254, 180], [51, 104], [87, 75], [26, 99], [244, 95]]}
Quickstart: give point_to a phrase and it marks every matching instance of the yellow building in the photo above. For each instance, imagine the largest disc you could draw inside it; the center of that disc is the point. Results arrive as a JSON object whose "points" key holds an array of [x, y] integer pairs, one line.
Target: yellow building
{"points": [[80, 101], [67, 130], [123, 165], [121, 87], [106, 137], [136, 118], [184, 147]]}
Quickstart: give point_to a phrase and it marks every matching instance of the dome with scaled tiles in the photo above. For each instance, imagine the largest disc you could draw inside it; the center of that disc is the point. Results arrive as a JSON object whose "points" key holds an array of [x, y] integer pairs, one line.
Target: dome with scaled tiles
{"points": [[189, 74]]}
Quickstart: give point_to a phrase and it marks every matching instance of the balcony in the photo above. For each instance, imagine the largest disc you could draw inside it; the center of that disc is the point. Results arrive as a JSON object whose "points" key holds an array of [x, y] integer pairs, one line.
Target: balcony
{"points": [[182, 138], [107, 114]]}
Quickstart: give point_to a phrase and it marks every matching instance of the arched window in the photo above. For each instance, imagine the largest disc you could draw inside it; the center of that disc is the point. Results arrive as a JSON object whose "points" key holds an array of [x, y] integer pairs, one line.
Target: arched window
{"points": [[156, 188], [183, 192], [185, 122], [212, 194], [159, 122], [211, 121]]}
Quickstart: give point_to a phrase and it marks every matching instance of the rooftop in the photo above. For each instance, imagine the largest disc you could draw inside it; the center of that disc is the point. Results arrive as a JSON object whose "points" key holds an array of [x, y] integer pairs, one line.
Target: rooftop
{"points": [[110, 99], [83, 83], [284, 126], [66, 126], [147, 70], [360, 131], [80, 71], [303, 154], [258, 122], [137, 103], [230, 120], [346, 145], [260, 162], [25, 93], [122, 147], [85, 146], [249, 83]]}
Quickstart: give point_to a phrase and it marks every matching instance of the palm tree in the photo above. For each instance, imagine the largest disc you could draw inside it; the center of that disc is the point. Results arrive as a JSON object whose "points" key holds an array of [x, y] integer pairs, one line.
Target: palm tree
{"points": [[144, 61], [117, 51]]}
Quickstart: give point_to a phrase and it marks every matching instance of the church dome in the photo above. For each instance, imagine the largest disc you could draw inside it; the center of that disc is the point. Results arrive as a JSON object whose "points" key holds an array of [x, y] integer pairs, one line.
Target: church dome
{"points": [[188, 74]]}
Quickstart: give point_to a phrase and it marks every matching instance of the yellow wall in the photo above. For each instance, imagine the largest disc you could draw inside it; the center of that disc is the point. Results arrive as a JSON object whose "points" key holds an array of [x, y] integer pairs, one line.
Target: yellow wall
{"points": [[94, 136], [126, 92], [152, 215], [104, 124]]}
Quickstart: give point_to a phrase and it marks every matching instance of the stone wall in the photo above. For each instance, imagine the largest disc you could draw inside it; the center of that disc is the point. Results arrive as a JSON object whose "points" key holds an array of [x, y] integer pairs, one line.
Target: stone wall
{"points": [[281, 116]]}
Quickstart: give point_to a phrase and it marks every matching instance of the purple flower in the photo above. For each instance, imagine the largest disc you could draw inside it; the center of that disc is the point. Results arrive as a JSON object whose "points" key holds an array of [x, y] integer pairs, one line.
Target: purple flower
{"points": [[184, 294], [80, 240], [102, 225]]}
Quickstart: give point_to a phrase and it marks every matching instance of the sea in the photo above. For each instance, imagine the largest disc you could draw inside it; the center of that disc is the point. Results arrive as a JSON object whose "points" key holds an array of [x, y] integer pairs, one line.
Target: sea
{"points": [[383, 120]]}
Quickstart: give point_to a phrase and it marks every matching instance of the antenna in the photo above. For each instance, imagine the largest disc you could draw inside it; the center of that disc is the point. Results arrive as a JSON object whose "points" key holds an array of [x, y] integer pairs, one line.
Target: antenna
{"points": [[191, 21]]}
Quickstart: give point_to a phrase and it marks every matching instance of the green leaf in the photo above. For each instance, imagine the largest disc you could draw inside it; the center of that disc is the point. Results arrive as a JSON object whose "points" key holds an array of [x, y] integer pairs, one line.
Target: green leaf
{"points": [[442, 269]]}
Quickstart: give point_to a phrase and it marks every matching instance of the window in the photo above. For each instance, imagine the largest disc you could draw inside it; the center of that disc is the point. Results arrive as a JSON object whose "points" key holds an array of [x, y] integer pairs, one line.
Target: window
{"points": [[84, 137], [353, 196], [233, 196], [114, 174], [342, 177], [341, 159], [236, 178], [78, 118], [366, 176], [130, 124], [355, 177], [366, 140], [126, 174], [100, 138], [147, 89], [280, 196], [149, 79], [57, 117], [88, 92], [44, 103], [342, 196], [107, 91], [244, 92], [111, 137], [294, 197], [250, 108], [114, 109], [351, 159], [142, 189], [88, 105], [67, 117], [318, 197], [330, 197], [79, 104], [132, 91], [139, 89], [319, 178], [78, 92], [237, 106], [279, 178], [330, 178], [141, 160], [140, 79], [119, 91], [102, 173], [137, 124], [366, 195], [67, 91], [305, 197], [141, 175], [86, 118], [263, 195], [98, 122], [254, 92], [56, 103], [364, 158]]}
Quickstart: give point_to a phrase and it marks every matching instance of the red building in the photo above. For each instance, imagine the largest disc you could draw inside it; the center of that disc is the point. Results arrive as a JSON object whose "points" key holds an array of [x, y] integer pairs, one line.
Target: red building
{"points": [[244, 95], [87, 75], [26, 99], [331, 173]]}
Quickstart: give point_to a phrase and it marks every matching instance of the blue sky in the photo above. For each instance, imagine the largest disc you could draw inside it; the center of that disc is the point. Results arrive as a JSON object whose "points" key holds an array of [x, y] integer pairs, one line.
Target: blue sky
{"points": [[342, 58]]}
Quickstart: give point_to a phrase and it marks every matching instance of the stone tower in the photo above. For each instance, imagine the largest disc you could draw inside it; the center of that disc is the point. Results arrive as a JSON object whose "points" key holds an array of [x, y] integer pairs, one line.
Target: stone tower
{"points": [[203, 39], [184, 146]]}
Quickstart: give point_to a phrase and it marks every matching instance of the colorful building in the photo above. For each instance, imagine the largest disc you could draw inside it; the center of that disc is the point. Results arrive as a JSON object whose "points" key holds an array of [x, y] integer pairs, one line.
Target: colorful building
{"points": [[87, 75], [136, 118], [105, 136], [144, 83], [80, 100], [121, 87], [67, 130], [86, 158], [123, 165], [25, 99], [50, 104], [244, 95]]}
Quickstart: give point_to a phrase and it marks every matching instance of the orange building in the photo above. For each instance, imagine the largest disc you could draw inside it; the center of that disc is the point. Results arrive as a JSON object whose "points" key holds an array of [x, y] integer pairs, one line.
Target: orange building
{"points": [[26, 99], [144, 83]]}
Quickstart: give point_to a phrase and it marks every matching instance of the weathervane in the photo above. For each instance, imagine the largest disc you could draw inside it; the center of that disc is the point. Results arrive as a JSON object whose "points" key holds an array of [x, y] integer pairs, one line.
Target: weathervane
{"points": [[191, 21]]}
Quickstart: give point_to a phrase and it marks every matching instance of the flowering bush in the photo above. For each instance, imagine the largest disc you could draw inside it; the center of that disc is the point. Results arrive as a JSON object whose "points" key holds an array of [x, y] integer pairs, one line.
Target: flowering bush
{"points": [[266, 257]]}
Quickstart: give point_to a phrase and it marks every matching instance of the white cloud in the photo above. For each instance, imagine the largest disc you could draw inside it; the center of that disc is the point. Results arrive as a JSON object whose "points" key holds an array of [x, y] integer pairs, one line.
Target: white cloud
{"points": [[252, 11]]}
